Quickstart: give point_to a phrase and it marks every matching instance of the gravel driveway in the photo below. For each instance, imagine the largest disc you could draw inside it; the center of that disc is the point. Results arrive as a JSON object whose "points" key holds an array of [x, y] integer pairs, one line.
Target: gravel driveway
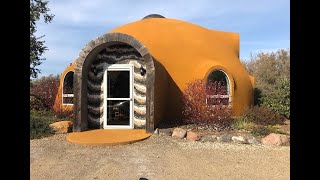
{"points": [[158, 157]]}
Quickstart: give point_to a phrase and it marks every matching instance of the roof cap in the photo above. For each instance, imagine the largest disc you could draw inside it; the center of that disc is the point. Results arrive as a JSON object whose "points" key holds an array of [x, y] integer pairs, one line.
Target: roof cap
{"points": [[153, 16]]}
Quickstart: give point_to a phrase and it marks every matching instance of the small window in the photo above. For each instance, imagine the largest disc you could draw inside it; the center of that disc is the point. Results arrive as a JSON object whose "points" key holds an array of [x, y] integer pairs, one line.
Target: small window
{"points": [[67, 90], [218, 88]]}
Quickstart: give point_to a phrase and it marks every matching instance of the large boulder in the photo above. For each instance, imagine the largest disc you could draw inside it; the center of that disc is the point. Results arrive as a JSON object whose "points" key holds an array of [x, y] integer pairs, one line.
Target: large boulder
{"points": [[179, 133], [192, 136], [276, 139], [61, 127]]}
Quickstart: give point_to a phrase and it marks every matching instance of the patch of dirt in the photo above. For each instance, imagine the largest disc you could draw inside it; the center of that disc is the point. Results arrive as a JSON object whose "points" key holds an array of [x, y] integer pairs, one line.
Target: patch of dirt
{"points": [[158, 157]]}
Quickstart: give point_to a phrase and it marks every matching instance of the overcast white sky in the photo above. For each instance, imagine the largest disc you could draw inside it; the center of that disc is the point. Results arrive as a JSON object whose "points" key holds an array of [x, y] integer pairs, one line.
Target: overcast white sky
{"points": [[263, 25]]}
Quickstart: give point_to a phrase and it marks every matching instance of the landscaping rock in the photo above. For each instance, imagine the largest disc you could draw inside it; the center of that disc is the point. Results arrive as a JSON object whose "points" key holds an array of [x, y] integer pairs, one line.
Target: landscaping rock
{"points": [[253, 140], [239, 139], [209, 138], [61, 127], [225, 138], [276, 139], [156, 131], [179, 133], [165, 131], [192, 136]]}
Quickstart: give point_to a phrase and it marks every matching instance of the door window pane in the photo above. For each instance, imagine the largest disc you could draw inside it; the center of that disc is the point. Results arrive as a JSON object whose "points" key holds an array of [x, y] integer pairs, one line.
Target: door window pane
{"points": [[118, 84], [118, 112]]}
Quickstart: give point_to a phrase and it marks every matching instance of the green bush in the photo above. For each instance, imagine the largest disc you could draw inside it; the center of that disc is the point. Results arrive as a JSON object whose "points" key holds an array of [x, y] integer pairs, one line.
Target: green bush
{"points": [[279, 100], [257, 94], [262, 116], [39, 124], [272, 80], [39, 127]]}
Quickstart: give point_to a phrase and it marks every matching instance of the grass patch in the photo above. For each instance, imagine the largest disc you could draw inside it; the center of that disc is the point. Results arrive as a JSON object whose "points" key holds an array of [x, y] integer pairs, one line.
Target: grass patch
{"points": [[246, 123], [266, 130], [275, 129], [243, 123], [39, 124], [260, 131]]}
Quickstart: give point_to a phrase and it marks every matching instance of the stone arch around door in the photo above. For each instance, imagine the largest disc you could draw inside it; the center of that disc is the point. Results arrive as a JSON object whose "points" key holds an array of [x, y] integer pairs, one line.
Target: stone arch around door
{"points": [[82, 67]]}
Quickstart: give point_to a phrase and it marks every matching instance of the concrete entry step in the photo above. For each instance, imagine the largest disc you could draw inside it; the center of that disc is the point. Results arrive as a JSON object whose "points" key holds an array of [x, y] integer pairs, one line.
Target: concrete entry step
{"points": [[108, 137]]}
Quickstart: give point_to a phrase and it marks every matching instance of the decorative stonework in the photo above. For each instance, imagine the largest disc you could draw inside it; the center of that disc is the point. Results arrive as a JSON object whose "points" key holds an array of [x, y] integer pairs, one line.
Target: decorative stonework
{"points": [[115, 54], [88, 90]]}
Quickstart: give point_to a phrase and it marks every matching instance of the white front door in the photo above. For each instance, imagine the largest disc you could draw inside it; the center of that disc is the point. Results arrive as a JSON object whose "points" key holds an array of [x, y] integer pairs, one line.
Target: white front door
{"points": [[118, 105]]}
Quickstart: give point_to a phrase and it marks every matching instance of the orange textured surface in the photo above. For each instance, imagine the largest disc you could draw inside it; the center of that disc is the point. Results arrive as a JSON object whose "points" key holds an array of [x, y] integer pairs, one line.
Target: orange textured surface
{"points": [[189, 52], [102, 137]]}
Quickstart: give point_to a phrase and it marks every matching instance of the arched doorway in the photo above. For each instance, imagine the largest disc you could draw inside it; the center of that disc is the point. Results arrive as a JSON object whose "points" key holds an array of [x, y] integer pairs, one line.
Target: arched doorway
{"points": [[94, 63]]}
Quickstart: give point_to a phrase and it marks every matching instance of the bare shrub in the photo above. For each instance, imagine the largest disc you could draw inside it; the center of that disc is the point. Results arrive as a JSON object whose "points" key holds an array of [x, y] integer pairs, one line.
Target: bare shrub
{"points": [[199, 109]]}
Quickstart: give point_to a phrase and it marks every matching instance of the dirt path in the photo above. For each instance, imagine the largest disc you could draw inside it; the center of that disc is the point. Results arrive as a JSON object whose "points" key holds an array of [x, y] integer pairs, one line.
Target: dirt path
{"points": [[159, 157]]}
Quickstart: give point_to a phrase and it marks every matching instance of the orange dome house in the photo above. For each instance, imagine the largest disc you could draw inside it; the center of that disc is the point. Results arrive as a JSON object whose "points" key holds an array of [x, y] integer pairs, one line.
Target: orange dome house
{"points": [[133, 77]]}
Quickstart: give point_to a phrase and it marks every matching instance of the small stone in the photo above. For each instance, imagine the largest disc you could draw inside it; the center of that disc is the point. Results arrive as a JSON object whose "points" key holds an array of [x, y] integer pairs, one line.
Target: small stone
{"points": [[179, 133], [156, 131], [209, 138], [226, 138], [165, 131], [61, 127], [276, 140], [239, 139], [253, 140], [192, 136]]}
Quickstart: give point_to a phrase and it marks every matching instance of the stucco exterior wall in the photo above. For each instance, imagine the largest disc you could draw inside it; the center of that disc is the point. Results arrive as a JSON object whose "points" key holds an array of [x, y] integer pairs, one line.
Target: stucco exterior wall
{"points": [[161, 92], [190, 52]]}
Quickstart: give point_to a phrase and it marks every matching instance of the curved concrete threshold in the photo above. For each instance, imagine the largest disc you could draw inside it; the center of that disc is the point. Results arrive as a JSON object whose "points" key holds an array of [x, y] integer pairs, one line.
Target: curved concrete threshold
{"points": [[108, 137]]}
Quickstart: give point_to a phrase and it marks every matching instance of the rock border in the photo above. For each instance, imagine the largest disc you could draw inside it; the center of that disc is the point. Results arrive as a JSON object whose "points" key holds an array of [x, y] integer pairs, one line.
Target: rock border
{"points": [[269, 140]]}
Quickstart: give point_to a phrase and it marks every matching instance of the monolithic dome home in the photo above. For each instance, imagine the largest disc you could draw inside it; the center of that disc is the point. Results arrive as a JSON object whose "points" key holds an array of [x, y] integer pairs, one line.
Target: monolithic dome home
{"points": [[133, 76]]}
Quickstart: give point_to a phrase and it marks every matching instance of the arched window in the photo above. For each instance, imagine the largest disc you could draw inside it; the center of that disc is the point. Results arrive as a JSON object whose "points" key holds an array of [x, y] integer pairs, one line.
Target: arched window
{"points": [[218, 88], [67, 89]]}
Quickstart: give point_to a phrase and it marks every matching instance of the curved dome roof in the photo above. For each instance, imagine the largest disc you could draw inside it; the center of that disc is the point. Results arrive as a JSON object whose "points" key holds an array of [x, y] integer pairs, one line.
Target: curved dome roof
{"points": [[155, 33], [173, 42]]}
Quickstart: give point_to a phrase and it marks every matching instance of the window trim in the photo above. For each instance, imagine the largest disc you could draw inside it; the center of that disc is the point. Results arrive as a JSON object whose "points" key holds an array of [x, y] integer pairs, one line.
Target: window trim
{"points": [[66, 95], [229, 87]]}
